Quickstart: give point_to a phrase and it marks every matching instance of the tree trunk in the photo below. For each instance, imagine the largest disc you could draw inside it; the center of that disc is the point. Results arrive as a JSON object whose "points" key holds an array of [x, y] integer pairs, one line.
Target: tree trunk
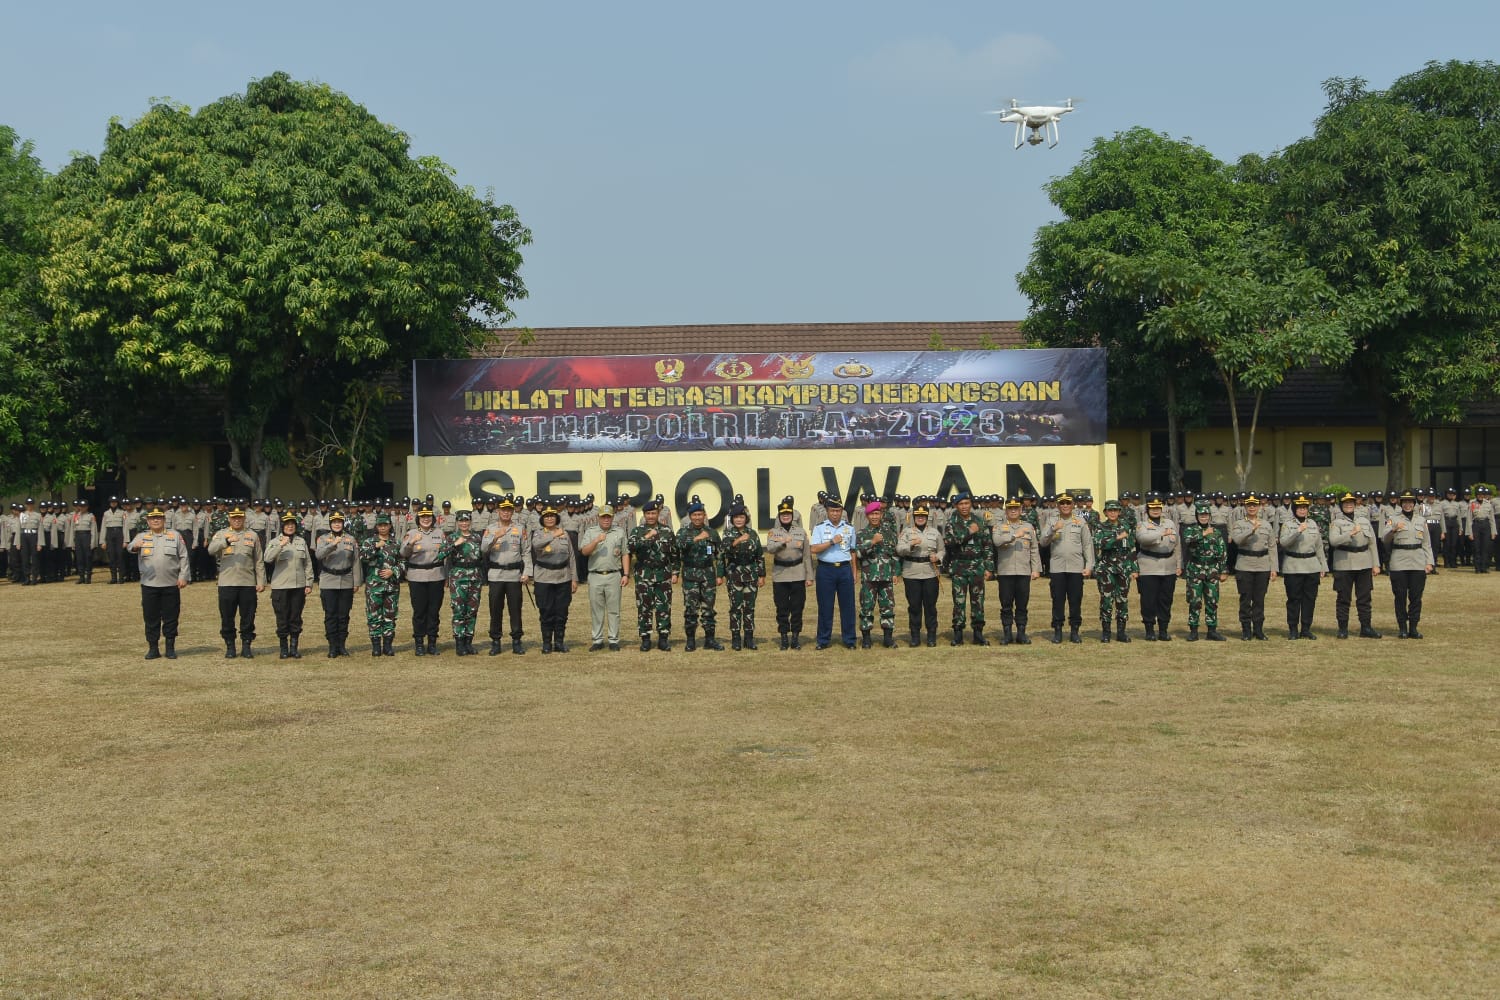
{"points": [[1174, 460], [258, 476], [1397, 417]]}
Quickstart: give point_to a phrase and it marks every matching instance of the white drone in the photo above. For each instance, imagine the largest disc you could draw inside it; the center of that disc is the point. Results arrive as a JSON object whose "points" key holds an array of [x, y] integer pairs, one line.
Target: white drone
{"points": [[1038, 121]]}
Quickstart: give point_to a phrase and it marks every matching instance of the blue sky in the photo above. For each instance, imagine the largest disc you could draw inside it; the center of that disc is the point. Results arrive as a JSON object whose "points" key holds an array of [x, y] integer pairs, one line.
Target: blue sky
{"points": [[775, 162]]}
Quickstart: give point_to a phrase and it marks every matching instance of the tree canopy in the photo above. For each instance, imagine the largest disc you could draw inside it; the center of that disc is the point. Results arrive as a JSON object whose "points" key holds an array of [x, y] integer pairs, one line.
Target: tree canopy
{"points": [[274, 248]]}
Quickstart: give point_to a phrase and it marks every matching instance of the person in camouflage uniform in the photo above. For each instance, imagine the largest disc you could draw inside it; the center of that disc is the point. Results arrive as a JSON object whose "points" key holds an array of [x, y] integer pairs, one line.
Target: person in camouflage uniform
{"points": [[966, 539], [878, 567], [380, 560], [745, 571], [465, 581], [1205, 551], [702, 575], [653, 560], [1114, 567]]}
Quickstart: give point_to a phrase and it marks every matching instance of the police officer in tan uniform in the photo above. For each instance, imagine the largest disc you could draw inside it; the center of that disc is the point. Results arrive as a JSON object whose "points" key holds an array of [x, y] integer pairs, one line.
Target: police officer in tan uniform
{"points": [[162, 555], [242, 577]]}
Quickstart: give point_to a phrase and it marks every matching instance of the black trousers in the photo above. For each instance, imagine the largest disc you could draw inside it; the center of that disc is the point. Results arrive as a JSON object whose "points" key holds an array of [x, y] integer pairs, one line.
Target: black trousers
{"points": [[83, 551], [241, 601], [1359, 583], [161, 607], [921, 604], [1407, 586], [1482, 542], [336, 606], [1252, 585], [1157, 594], [552, 603], [1301, 599], [1015, 598], [1067, 588], [31, 569], [426, 605], [288, 604], [505, 597], [791, 599], [1450, 543]]}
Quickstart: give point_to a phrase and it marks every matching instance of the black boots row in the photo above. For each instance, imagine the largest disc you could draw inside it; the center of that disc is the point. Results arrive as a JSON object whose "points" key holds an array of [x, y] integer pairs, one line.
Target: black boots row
{"points": [[979, 639], [552, 641]]}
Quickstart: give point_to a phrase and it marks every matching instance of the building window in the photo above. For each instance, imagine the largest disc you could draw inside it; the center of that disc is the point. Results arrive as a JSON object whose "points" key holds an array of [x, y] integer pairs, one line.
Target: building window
{"points": [[1317, 454], [1369, 453]]}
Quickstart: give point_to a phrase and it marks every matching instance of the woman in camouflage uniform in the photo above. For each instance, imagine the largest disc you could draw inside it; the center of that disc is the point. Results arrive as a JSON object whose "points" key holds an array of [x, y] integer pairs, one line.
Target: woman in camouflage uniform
{"points": [[465, 582], [380, 559], [878, 569], [1205, 551], [745, 571]]}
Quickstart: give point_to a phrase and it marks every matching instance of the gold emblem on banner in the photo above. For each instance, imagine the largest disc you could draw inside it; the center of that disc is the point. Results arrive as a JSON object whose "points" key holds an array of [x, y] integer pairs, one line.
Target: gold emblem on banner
{"points": [[853, 369], [734, 369], [669, 370], [795, 367]]}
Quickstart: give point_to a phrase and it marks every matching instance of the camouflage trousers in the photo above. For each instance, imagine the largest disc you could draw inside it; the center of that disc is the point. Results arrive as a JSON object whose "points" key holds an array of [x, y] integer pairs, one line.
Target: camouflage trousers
{"points": [[382, 605], [698, 597], [968, 587], [1114, 593], [464, 590], [881, 593], [653, 606], [1203, 596], [742, 598]]}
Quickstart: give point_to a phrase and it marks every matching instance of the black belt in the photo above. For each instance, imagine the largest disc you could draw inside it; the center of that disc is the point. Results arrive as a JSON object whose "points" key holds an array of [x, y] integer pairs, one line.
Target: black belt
{"points": [[1306, 555], [787, 562], [604, 572], [337, 572], [916, 559], [834, 565], [508, 566], [1417, 545], [1157, 555], [554, 564], [1254, 553], [1355, 548]]}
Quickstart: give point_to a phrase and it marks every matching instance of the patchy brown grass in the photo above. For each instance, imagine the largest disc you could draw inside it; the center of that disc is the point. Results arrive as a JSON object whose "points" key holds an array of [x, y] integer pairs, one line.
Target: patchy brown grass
{"points": [[1247, 819]]}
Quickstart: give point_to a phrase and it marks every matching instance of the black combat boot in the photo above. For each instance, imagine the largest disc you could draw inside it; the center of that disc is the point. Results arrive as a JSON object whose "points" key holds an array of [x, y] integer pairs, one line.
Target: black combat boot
{"points": [[296, 654], [889, 640], [734, 642], [546, 640], [958, 637], [229, 650], [663, 643], [1366, 632], [864, 639], [1104, 633], [1307, 633], [171, 652], [692, 640], [709, 642], [558, 646], [1056, 635], [516, 646], [494, 647], [1214, 636], [979, 639], [1292, 632], [245, 652], [1260, 633], [915, 640], [1150, 632], [432, 645], [1343, 632], [1411, 633], [1246, 637], [333, 649], [931, 639], [1007, 636], [388, 645], [785, 641], [375, 647], [1073, 635], [1022, 639], [1163, 635], [1192, 634], [154, 653], [1120, 634], [284, 651], [796, 640], [750, 641], [421, 645]]}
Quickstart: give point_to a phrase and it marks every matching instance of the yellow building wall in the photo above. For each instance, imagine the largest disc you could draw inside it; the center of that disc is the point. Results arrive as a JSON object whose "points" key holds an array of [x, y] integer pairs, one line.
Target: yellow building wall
{"points": [[154, 470]]}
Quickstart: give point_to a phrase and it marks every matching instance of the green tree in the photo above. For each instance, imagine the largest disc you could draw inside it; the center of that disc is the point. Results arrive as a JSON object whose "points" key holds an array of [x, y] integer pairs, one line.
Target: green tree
{"points": [[1394, 198], [273, 247], [1224, 286], [48, 435], [1128, 196]]}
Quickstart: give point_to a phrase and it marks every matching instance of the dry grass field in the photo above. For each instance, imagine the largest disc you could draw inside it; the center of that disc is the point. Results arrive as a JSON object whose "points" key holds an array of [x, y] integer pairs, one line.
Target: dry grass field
{"points": [[1268, 819]]}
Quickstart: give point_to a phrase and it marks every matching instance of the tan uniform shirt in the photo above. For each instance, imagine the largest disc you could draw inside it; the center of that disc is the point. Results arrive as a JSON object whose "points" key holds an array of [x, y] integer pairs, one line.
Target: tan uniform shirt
{"points": [[241, 561]]}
